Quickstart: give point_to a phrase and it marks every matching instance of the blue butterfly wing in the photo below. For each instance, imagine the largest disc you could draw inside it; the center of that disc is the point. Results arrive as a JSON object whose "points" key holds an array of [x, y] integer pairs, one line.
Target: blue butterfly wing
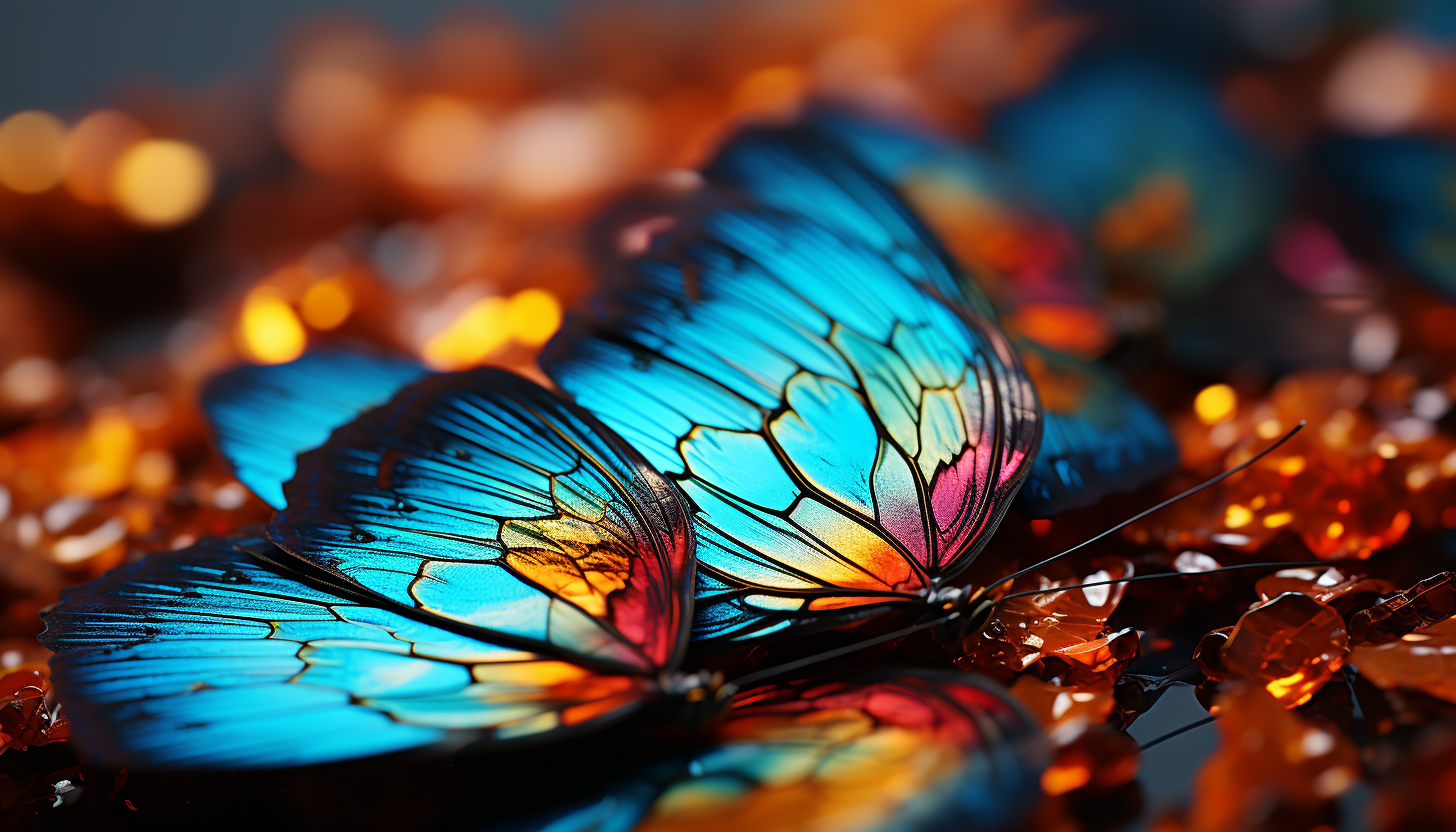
{"points": [[1098, 436], [207, 658], [264, 416], [847, 433], [803, 170], [1142, 159], [886, 751], [482, 498]]}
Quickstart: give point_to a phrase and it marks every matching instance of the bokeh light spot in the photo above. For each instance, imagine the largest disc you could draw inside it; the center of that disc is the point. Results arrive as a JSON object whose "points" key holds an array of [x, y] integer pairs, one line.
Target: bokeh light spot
{"points": [[1216, 403], [269, 330], [533, 316], [30, 151], [327, 303], [160, 183]]}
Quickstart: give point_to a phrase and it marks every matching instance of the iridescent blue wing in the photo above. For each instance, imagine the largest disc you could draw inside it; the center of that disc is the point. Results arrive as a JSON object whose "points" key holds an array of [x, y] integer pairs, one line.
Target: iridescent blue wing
{"points": [[848, 433], [482, 498], [1142, 158], [1406, 183], [265, 416], [206, 658], [1018, 250], [802, 170], [878, 752], [886, 751], [1098, 436]]}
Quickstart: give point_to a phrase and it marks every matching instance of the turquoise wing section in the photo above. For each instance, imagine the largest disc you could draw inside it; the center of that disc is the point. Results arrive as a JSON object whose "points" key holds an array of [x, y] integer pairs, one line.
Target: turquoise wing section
{"points": [[263, 417], [849, 432], [1098, 438], [484, 499], [207, 658]]}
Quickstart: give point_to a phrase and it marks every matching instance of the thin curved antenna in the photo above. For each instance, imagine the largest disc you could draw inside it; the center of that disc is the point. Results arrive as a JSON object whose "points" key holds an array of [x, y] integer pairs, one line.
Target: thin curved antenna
{"points": [[1177, 732], [1276, 564], [1168, 502]]}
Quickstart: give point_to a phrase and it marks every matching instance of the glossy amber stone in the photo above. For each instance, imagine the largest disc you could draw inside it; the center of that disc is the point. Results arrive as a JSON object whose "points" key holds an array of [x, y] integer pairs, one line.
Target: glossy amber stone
{"points": [[25, 715], [1327, 586], [1423, 660], [1290, 645], [1428, 602], [1271, 763]]}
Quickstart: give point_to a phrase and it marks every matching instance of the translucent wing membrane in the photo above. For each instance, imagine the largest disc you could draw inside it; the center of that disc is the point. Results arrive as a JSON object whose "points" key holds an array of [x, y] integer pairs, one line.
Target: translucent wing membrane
{"points": [[265, 416], [902, 751], [1098, 437], [484, 499], [206, 658], [847, 433]]}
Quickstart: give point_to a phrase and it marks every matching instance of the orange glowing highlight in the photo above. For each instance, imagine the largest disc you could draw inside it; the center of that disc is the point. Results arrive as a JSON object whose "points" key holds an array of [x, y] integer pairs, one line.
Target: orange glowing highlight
{"points": [[479, 331], [91, 151], [161, 183], [269, 330], [1216, 403], [30, 151], [533, 316], [327, 303]]}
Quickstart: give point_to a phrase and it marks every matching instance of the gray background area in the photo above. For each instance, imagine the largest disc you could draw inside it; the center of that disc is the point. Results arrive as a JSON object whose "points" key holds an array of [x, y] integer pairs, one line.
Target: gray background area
{"points": [[69, 55]]}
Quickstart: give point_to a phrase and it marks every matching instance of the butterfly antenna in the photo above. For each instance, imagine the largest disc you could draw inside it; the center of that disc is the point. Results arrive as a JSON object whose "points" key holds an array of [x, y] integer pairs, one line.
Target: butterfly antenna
{"points": [[1277, 564], [1176, 732], [1168, 502]]}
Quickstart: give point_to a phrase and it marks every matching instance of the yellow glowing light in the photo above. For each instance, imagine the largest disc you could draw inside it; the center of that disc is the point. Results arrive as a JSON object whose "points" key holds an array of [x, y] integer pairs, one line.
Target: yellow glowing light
{"points": [[1216, 403], [1236, 517], [102, 461], [1387, 450], [479, 331], [533, 316], [30, 151], [327, 303], [1269, 428], [153, 471], [1291, 466], [269, 331], [160, 183], [1278, 519], [1064, 778], [1335, 529], [1281, 688], [92, 150]]}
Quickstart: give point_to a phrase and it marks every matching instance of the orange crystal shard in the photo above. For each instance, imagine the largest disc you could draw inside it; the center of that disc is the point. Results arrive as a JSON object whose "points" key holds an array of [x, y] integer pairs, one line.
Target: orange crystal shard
{"points": [[1291, 645], [25, 716], [1424, 661], [1428, 602], [1208, 655], [1327, 586], [1270, 764]]}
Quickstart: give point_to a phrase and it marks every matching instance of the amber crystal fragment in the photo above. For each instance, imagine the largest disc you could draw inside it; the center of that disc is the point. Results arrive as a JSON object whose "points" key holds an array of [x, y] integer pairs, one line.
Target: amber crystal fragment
{"points": [[1066, 710], [1096, 759], [1327, 586], [1290, 645], [1062, 634], [1424, 604], [1270, 764], [26, 717], [1208, 655], [1424, 660]]}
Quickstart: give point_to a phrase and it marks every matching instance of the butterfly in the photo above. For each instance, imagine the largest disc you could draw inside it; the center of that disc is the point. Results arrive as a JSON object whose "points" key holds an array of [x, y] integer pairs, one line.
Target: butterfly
{"points": [[832, 393], [477, 560]]}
